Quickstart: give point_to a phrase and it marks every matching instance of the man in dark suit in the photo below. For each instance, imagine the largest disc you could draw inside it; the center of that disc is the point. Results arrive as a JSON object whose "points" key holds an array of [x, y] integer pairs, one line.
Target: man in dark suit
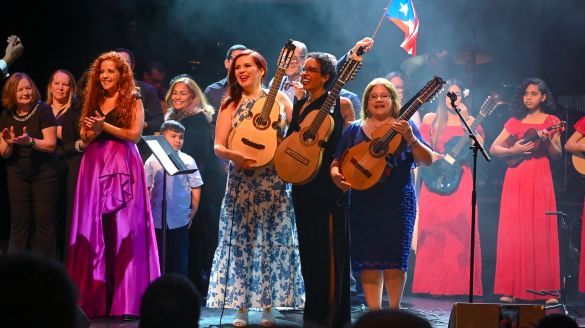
{"points": [[153, 113]]}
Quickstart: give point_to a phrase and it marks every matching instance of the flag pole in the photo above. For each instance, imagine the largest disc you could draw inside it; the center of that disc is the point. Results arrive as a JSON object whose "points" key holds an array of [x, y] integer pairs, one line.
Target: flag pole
{"points": [[381, 19]]}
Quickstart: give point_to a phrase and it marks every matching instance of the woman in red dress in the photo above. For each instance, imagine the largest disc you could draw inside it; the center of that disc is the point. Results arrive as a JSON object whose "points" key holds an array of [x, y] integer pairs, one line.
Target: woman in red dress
{"points": [[528, 245], [443, 251], [576, 145]]}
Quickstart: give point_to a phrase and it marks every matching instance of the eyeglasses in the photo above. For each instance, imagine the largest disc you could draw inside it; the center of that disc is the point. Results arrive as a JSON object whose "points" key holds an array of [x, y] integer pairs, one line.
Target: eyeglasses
{"points": [[382, 96], [298, 58], [310, 69]]}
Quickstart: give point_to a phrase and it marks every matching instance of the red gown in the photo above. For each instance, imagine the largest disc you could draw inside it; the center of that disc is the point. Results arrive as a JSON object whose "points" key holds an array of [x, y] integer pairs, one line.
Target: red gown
{"points": [[444, 223], [528, 244], [580, 127]]}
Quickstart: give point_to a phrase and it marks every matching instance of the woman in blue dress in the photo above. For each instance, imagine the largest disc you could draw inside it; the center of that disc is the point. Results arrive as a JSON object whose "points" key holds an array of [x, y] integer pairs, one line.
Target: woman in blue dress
{"points": [[382, 217], [256, 263]]}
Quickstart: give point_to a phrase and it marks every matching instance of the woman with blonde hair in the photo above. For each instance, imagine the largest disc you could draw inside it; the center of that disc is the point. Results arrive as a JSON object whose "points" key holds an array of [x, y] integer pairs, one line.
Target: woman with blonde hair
{"points": [[112, 251], [382, 217], [188, 105], [61, 96]]}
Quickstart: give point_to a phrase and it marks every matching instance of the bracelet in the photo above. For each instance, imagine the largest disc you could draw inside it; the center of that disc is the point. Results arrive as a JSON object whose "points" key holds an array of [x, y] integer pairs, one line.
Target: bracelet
{"points": [[32, 142], [77, 146], [414, 143]]}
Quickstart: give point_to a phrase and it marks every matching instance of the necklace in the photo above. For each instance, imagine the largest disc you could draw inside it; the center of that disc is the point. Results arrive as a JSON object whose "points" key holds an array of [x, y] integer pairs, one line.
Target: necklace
{"points": [[26, 117]]}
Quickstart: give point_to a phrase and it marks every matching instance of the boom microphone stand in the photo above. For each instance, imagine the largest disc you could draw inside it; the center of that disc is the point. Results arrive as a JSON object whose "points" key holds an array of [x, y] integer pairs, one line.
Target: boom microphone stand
{"points": [[476, 146]]}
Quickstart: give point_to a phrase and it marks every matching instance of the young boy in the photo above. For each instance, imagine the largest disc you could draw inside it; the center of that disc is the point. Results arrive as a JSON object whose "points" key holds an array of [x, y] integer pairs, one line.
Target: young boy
{"points": [[183, 193]]}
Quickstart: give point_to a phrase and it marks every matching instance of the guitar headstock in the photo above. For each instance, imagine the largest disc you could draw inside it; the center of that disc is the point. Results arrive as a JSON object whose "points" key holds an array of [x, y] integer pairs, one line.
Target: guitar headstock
{"points": [[350, 68], [431, 89], [490, 104], [286, 54], [560, 126]]}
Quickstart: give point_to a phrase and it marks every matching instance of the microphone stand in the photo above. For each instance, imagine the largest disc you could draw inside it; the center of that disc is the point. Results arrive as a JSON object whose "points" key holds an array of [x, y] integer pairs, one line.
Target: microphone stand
{"points": [[476, 146]]}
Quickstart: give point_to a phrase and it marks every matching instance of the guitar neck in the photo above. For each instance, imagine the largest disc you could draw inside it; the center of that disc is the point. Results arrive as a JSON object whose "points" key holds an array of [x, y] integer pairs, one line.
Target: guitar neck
{"points": [[413, 106], [280, 72], [326, 107], [461, 143]]}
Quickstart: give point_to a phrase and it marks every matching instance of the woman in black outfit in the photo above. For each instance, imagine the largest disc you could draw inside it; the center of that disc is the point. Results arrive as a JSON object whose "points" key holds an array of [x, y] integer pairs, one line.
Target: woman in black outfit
{"points": [[61, 92], [188, 105], [29, 135]]}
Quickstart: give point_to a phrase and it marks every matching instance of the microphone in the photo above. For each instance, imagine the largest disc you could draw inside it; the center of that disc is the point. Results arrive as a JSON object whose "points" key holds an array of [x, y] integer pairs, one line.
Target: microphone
{"points": [[452, 96]]}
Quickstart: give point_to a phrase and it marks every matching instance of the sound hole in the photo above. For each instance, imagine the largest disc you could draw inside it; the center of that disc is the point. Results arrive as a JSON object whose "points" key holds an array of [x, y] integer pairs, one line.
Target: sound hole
{"points": [[261, 122], [377, 149]]}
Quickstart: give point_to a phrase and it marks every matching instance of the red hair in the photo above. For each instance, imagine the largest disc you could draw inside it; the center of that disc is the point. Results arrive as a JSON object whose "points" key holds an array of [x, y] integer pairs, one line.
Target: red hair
{"points": [[94, 92], [234, 92]]}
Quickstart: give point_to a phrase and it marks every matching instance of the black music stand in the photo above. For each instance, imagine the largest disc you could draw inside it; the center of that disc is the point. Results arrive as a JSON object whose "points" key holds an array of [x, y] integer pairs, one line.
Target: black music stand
{"points": [[566, 230], [172, 165], [476, 146]]}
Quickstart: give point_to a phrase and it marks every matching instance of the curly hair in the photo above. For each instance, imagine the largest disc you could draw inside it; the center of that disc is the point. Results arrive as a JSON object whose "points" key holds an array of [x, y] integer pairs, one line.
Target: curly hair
{"points": [[518, 108], [327, 66], [95, 93]]}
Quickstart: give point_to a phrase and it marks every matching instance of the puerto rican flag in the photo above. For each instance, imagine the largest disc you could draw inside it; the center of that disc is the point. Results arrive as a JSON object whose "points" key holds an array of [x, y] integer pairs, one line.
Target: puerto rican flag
{"points": [[403, 14]]}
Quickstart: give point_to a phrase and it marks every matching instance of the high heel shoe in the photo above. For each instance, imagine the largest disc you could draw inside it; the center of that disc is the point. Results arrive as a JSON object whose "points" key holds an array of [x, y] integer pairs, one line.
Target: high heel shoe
{"points": [[241, 319], [507, 299], [268, 319]]}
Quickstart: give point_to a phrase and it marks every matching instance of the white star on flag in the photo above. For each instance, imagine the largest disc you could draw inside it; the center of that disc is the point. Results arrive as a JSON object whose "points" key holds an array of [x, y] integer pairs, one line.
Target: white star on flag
{"points": [[404, 9]]}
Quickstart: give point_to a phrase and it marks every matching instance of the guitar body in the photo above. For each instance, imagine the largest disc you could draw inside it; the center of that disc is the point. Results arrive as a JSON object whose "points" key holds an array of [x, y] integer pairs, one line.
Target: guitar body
{"points": [[579, 160], [443, 176], [363, 166], [298, 157], [256, 137], [529, 135]]}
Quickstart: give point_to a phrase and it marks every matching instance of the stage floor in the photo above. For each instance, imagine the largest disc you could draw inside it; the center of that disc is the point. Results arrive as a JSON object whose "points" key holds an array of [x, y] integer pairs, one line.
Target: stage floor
{"points": [[435, 309]]}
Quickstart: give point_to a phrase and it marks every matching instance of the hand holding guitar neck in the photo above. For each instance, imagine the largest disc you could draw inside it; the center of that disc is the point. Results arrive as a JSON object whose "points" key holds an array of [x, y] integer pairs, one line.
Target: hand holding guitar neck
{"points": [[476, 144]]}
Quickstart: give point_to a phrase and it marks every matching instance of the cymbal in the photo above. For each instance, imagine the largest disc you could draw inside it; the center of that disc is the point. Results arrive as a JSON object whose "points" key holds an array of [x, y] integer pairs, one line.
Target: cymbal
{"points": [[466, 57]]}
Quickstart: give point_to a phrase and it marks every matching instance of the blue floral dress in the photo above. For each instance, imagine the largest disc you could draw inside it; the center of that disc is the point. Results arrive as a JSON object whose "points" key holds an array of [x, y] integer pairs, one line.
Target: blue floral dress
{"points": [[256, 263]]}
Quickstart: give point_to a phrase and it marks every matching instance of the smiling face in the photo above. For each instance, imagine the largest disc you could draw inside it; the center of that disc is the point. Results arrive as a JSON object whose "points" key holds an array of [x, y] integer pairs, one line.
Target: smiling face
{"points": [[533, 98], [60, 87], [181, 96], [298, 60], [380, 102], [24, 93], [311, 76], [248, 74], [109, 76]]}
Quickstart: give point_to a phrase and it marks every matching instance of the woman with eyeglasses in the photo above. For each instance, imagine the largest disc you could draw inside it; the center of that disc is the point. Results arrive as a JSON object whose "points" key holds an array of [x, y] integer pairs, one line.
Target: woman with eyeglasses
{"points": [[443, 249], [382, 217]]}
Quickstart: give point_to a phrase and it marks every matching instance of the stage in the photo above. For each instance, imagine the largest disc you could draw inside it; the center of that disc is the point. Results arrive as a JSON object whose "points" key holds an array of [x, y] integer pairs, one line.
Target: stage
{"points": [[435, 309]]}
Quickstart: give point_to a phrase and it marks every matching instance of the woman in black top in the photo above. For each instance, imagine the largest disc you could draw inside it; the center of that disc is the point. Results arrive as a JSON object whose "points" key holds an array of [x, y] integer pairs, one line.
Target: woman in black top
{"points": [[29, 135], [61, 92]]}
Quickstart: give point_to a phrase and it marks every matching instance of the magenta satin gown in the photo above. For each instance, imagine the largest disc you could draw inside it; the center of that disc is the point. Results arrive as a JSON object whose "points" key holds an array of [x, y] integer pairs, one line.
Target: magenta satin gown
{"points": [[111, 186]]}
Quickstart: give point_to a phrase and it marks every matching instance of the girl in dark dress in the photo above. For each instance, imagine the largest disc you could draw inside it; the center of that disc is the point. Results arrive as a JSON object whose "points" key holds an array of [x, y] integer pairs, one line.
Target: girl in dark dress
{"points": [[382, 217], [28, 142]]}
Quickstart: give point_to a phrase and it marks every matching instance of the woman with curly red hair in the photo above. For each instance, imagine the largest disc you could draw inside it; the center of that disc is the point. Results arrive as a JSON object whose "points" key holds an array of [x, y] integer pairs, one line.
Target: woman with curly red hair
{"points": [[112, 254]]}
